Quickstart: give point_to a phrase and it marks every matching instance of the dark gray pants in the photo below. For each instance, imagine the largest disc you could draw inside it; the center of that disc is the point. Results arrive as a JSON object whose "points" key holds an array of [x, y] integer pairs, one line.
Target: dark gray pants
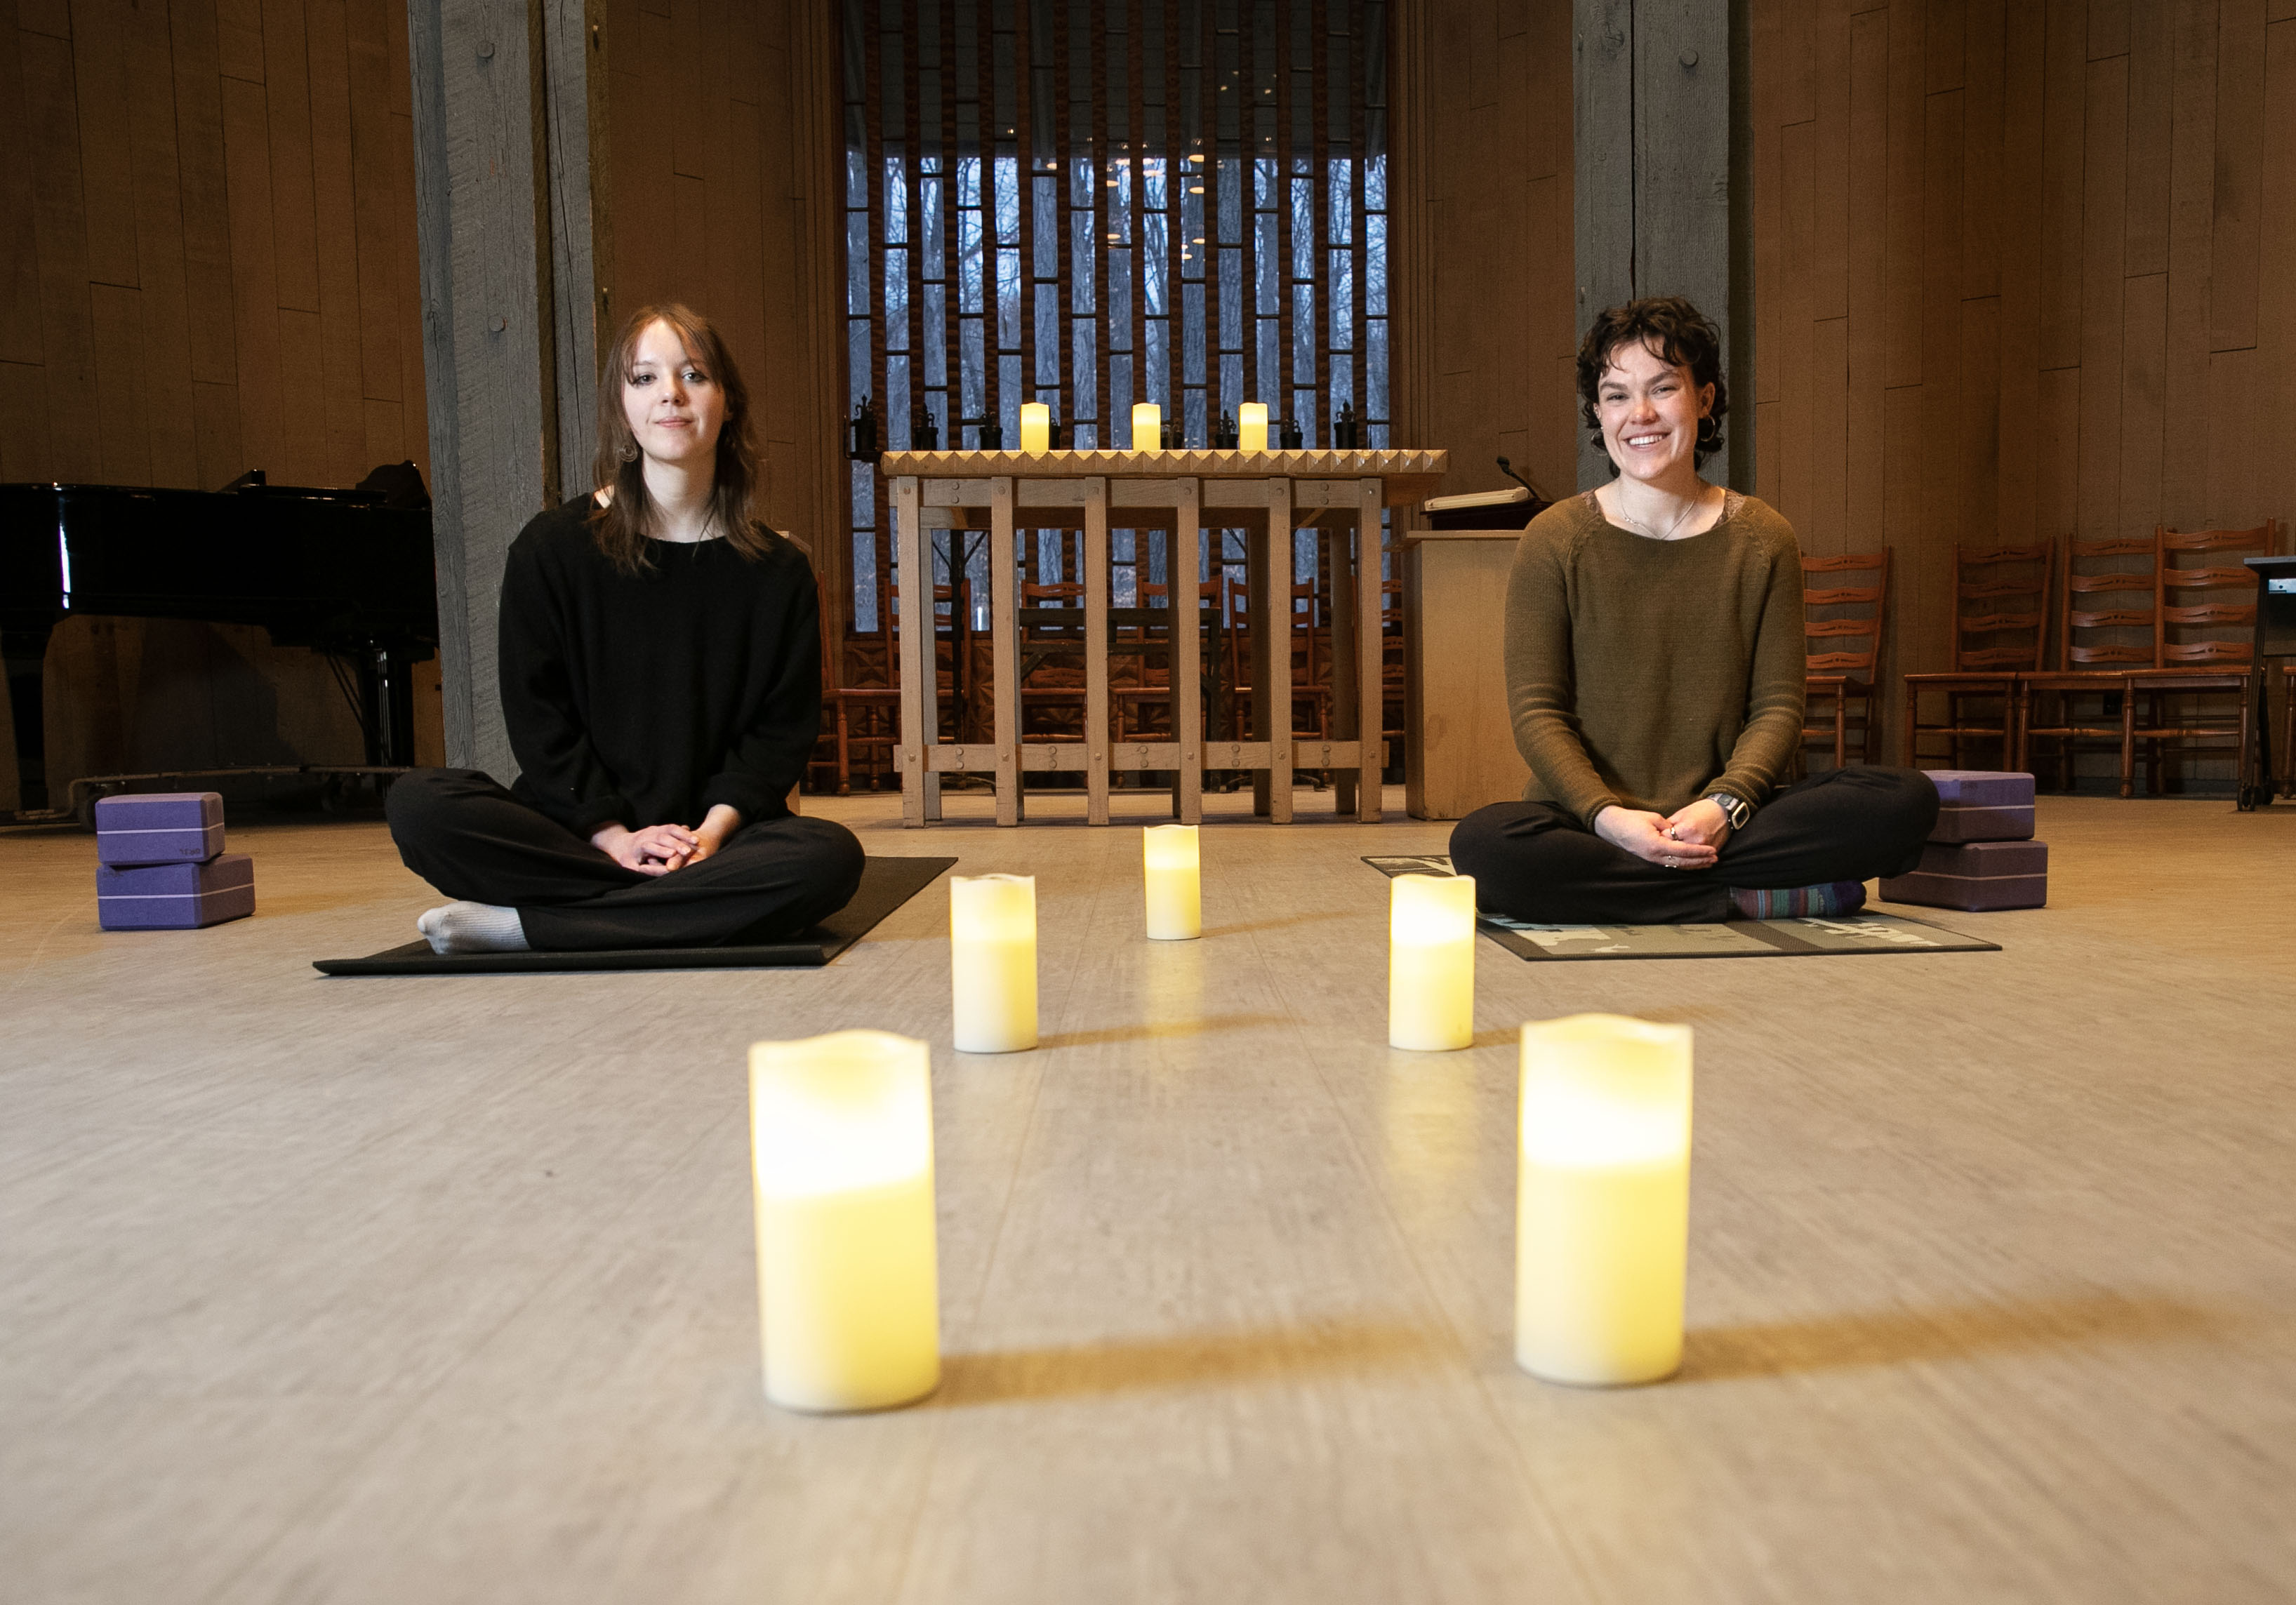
{"points": [[1536, 861], [473, 839]]}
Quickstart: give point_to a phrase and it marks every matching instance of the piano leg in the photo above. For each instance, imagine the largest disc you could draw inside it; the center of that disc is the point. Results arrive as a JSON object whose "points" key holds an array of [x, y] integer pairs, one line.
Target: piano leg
{"points": [[26, 648], [399, 750], [386, 683]]}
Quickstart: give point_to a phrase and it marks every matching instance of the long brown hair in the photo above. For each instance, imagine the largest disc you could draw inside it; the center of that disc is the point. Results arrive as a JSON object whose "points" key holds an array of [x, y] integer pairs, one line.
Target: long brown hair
{"points": [[619, 527]]}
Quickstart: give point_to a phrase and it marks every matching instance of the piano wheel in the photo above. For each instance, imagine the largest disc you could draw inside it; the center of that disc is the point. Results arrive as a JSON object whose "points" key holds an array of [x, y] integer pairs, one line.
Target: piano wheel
{"points": [[84, 798]]}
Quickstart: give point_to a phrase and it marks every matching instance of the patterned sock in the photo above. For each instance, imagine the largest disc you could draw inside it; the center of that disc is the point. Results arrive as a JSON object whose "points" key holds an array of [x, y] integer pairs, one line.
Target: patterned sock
{"points": [[1796, 902], [472, 928]]}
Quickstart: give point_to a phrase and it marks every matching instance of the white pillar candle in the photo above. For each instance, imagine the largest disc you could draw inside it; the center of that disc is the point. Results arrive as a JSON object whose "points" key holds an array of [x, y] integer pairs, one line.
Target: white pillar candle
{"points": [[992, 940], [1602, 1203], [1431, 961], [841, 1131], [1251, 427], [1176, 907], [1147, 427], [1035, 428]]}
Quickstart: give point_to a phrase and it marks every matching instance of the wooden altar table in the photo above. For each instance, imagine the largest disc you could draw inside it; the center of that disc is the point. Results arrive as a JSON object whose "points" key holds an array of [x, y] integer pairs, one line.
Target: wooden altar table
{"points": [[1267, 494]]}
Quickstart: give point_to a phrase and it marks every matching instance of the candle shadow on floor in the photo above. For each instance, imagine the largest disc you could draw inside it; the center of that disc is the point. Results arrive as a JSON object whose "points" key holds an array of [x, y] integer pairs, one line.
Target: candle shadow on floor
{"points": [[1194, 1025], [1724, 1353], [1281, 924], [1185, 1360]]}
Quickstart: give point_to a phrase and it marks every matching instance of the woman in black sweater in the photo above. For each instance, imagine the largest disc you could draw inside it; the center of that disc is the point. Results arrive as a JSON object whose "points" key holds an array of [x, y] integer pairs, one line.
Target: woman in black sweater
{"points": [[660, 662]]}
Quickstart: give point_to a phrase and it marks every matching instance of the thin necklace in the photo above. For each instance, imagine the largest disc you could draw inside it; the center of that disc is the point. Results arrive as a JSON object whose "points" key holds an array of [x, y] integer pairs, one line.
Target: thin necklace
{"points": [[1696, 501]]}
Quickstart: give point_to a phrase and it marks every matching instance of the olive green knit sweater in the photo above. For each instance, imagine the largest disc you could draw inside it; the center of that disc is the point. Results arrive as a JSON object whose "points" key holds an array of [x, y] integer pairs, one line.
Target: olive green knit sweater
{"points": [[1648, 672]]}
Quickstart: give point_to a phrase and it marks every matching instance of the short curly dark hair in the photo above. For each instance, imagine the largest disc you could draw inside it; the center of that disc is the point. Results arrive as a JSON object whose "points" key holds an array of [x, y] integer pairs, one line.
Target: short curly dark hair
{"points": [[1679, 333]]}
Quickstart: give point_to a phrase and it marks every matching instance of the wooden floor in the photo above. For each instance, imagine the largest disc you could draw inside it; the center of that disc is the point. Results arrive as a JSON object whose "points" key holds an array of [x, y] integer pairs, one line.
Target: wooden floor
{"points": [[442, 1290]]}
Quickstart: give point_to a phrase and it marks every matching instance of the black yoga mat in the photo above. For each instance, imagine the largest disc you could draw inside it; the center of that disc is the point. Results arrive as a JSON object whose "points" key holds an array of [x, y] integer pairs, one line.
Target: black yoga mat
{"points": [[886, 883], [1811, 937]]}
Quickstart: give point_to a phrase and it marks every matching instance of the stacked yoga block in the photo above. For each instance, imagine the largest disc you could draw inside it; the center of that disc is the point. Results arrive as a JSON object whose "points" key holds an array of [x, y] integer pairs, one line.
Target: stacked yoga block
{"points": [[161, 864], [1982, 855]]}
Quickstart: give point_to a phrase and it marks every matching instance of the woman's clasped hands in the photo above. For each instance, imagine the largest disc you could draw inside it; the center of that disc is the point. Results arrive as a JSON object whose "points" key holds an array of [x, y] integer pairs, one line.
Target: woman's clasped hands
{"points": [[658, 849], [1691, 838]]}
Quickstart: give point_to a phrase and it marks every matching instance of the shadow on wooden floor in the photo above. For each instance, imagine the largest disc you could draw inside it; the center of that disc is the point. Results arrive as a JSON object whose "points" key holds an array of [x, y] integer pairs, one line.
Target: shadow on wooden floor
{"points": [[1956, 1332], [1190, 1359]]}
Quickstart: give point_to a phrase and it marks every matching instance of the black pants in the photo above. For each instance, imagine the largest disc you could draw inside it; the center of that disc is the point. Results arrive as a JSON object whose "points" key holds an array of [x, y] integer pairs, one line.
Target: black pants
{"points": [[1536, 861], [473, 839]]}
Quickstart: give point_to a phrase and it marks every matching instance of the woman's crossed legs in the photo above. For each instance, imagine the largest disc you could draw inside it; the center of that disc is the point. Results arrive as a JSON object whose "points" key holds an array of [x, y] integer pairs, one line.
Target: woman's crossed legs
{"points": [[1536, 861], [474, 840]]}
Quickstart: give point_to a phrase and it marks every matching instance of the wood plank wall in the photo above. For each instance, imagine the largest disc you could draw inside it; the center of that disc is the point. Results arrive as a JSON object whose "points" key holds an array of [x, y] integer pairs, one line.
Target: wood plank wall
{"points": [[2023, 269], [1484, 325], [207, 264], [208, 231], [724, 196]]}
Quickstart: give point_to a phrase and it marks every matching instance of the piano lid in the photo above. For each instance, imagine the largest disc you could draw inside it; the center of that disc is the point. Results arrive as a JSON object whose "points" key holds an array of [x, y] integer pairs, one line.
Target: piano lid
{"points": [[315, 566]]}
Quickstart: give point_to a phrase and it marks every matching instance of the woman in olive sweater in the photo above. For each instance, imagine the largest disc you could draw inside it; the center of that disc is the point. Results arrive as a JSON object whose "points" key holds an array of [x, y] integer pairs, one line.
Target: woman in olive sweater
{"points": [[1654, 669], [661, 665]]}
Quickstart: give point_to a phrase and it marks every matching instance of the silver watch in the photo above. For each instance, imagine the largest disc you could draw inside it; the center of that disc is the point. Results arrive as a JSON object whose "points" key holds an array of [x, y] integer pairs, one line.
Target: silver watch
{"points": [[1737, 810]]}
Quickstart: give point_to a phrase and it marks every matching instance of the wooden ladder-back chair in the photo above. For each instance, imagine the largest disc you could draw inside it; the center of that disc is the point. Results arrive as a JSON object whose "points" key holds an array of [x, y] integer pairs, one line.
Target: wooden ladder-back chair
{"points": [[1050, 604], [1845, 673], [1155, 682], [1309, 694], [2207, 606], [2103, 647], [861, 718], [2000, 630], [1052, 660]]}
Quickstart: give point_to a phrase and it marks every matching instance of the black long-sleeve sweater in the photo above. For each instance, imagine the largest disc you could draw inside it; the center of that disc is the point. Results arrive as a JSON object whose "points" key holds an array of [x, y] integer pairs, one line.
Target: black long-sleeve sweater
{"points": [[650, 698]]}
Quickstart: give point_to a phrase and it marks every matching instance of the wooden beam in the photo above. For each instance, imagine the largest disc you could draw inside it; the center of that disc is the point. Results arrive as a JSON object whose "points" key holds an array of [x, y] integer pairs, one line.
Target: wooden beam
{"points": [[1660, 158], [1096, 650], [507, 220], [578, 159]]}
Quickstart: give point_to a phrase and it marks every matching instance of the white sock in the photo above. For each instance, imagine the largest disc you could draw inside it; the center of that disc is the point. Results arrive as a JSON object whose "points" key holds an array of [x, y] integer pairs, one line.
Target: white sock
{"points": [[472, 928]]}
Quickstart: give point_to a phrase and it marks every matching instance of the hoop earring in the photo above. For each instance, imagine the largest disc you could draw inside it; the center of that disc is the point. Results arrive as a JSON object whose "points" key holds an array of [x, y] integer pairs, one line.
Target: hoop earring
{"points": [[1707, 429], [628, 451]]}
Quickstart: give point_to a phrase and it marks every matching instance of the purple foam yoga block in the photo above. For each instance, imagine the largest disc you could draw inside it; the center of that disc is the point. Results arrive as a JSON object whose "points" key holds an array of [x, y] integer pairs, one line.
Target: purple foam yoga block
{"points": [[1985, 860], [1982, 788], [1961, 821], [158, 827], [175, 896], [1975, 876], [1967, 893]]}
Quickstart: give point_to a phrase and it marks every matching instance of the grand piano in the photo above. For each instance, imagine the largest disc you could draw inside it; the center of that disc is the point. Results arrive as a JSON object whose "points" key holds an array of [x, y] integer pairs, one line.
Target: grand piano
{"points": [[344, 572]]}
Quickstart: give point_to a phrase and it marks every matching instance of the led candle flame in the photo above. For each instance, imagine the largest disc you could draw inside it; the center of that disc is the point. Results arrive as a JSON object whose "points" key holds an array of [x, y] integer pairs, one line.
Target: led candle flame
{"points": [[1147, 427], [1602, 1205], [992, 938], [1431, 961], [848, 1282], [1176, 911], [1035, 428], [1251, 427]]}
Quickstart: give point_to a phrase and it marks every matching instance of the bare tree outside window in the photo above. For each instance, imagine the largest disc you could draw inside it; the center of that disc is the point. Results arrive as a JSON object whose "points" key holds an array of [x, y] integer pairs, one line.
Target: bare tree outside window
{"points": [[1092, 202]]}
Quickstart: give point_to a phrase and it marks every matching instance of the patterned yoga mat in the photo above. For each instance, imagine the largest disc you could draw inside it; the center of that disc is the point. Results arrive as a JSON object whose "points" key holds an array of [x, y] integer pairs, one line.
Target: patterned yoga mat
{"points": [[1861, 932]]}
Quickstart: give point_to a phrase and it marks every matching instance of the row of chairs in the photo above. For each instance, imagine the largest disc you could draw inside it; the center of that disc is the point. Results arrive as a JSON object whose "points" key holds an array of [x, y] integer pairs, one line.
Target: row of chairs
{"points": [[2152, 639], [2150, 636]]}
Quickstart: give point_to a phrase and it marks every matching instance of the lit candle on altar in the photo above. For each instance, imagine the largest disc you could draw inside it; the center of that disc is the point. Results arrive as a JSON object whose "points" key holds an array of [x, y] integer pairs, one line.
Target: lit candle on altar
{"points": [[1147, 427], [992, 940], [1035, 428], [841, 1134], [1431, 961], [1251, 427], [1602, 1202], [1176, 907]]}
